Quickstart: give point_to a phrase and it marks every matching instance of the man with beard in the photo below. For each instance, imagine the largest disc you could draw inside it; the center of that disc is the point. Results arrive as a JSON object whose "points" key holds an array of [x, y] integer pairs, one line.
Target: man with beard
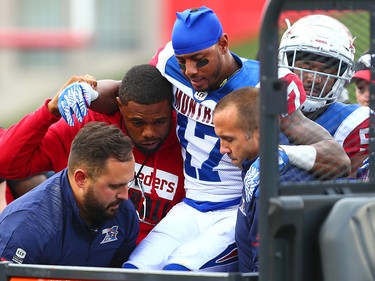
{"points": [[81, 216], [41, 140]]}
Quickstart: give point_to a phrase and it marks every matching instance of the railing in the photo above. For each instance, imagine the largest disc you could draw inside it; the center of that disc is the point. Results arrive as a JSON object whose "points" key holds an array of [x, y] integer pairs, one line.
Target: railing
{"points": [[17, 272]]}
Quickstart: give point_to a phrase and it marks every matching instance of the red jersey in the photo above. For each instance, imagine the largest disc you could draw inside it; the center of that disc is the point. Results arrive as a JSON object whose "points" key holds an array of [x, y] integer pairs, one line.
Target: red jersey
{"points": [[41, 142], [8, 194]]}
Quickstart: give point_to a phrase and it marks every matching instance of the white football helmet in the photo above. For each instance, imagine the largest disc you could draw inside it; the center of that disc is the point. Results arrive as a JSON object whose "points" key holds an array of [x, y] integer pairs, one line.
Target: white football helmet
{"points": [[323, 39]]}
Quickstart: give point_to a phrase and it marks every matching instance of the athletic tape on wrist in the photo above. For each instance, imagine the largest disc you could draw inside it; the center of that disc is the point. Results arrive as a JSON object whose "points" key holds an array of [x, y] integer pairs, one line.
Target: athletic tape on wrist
{"points": [[302, 156], [94, 94]]}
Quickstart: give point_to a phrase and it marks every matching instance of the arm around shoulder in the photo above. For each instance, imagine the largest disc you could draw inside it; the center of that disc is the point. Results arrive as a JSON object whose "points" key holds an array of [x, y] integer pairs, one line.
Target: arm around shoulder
{"points": [[106, 102], [330, 161]]}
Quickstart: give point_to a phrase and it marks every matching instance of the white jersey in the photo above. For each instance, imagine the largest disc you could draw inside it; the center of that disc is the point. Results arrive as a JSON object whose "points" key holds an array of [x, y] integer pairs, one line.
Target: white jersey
{"points": [[209, 175], [189, 235]]}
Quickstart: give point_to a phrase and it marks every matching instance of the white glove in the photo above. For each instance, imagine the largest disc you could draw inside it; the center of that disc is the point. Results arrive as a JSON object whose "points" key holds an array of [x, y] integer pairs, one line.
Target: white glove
{"points": [[75, 99]]}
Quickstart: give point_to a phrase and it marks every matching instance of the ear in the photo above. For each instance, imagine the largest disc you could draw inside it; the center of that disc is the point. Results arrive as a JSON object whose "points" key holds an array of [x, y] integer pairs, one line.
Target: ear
{"points": [[223, 43], [80, 178], [119, 104], [256, 135]]}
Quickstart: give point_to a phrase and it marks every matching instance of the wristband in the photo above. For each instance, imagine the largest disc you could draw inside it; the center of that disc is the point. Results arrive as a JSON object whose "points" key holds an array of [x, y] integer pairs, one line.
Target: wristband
{"points": [[301, 156], [94, 95], [88, 92]]}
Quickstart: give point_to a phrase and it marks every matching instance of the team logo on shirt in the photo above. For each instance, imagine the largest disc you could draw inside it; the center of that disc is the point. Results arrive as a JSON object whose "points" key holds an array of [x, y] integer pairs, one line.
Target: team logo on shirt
{"points": [[200, 95], [110, 234], [19, 255], [251, 181]]}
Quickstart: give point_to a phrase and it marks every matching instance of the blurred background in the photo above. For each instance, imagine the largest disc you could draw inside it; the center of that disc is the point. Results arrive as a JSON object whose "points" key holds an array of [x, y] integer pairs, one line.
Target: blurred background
{"points": [[44, 42]]}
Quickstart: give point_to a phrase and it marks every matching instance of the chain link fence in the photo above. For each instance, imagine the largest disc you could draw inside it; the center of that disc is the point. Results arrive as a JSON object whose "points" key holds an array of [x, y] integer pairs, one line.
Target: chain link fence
{"points": [[323, 55]]}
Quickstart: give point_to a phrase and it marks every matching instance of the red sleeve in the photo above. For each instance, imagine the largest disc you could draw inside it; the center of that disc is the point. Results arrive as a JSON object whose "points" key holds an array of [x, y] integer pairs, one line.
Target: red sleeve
{"points": [[356, 143], [8, 195], [155, 58], [41, 142], [37, 143], [295, 90]]}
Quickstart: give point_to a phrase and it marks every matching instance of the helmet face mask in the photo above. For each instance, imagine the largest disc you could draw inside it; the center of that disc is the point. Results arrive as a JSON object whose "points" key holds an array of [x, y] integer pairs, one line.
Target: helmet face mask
{"points": [[320, 50]]}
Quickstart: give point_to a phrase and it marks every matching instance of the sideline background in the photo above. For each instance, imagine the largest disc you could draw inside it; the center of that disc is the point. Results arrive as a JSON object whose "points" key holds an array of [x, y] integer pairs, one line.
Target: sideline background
{"points": [[44, 42]]}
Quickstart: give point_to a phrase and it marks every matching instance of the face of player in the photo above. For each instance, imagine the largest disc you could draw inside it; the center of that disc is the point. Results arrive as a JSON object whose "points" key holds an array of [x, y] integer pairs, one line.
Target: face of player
{"points": [[233, 141], [147, 125], [312, 81], [362, 92], [204, 69], [104, 195]]}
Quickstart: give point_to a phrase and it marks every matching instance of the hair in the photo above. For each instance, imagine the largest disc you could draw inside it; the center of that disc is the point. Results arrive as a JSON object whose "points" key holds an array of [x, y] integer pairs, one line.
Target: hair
{"points": [[144, 84], [94, 144], [246, 100]]}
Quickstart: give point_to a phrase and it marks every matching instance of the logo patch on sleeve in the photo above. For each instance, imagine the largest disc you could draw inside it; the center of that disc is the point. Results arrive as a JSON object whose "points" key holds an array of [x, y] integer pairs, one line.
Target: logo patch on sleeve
{"points": [[110, 234], [19, 255]]}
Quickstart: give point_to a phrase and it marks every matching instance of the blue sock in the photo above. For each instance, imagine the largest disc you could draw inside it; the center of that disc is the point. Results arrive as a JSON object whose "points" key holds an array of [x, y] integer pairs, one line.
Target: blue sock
{"points": [[175, 266], [129, 265]]}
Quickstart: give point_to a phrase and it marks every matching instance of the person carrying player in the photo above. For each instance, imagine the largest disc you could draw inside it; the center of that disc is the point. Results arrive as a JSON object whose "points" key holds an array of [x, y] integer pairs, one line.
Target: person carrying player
{"points": [[41, 140], [80, 216]]}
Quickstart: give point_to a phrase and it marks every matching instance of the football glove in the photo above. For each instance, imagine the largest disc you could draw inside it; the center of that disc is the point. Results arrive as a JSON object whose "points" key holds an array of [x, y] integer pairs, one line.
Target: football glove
{"points": [[75, 99]]}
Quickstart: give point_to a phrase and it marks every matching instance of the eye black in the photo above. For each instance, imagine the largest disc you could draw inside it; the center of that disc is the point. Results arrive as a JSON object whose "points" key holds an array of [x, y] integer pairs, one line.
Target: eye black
{"points": [[182, 66], [202, 63]]}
